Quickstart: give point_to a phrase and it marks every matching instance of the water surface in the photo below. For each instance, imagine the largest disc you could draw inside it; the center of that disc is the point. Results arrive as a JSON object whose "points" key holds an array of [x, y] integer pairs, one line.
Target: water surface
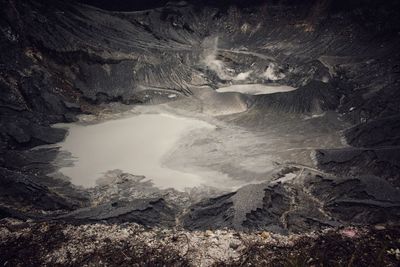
{"points": [[135, 145], [255, 89]]}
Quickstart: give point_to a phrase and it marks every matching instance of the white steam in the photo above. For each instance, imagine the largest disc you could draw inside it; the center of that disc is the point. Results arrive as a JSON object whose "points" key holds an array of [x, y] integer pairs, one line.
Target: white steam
{"points": [[243, 76], [210, 59], [272, 73]]}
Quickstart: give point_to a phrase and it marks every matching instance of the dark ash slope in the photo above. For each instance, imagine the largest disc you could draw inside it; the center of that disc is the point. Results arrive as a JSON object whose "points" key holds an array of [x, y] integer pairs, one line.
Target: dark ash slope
{"points": [[61, 59]]}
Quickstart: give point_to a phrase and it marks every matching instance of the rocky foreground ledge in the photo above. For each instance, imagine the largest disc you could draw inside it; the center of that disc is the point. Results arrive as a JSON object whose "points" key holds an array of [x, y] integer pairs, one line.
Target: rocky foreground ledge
{"points": [[55, 244]]}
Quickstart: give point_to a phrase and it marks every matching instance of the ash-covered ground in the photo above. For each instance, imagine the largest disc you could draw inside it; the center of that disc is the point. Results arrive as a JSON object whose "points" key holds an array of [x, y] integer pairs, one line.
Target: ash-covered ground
{"points": [[194, 125]]}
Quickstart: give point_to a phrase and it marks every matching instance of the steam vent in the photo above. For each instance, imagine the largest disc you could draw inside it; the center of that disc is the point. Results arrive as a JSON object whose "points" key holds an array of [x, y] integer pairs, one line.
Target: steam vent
{"points": [[200, 133]]}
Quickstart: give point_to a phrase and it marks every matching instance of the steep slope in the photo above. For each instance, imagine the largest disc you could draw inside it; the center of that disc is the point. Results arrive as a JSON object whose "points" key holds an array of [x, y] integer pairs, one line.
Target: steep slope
{"points": [[61, 59]]}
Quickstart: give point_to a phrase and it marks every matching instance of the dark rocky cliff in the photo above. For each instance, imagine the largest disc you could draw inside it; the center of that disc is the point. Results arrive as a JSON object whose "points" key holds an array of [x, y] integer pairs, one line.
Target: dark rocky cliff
{"points": [[61, 59]]}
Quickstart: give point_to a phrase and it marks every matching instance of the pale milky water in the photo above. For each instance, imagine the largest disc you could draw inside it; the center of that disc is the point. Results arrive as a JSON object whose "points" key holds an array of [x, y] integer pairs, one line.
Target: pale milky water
{"points": [[255, 89], [135, 145]]}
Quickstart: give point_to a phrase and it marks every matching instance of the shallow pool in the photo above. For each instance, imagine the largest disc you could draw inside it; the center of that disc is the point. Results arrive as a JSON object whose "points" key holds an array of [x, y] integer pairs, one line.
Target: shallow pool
{"points": [[255, 89], [136, 145]]}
